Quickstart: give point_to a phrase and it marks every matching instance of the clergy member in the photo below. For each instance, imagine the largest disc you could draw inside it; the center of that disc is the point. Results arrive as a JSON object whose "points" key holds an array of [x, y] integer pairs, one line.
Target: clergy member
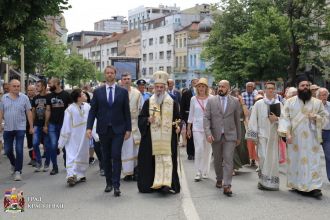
{"points": [[157, 158], [130, 148], [262, 129], [302, 120], [76, 144]]}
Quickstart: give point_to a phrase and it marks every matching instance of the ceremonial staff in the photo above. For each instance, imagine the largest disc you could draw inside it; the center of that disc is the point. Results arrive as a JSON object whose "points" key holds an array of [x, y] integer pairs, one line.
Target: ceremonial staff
{"points": [[176, 123]]}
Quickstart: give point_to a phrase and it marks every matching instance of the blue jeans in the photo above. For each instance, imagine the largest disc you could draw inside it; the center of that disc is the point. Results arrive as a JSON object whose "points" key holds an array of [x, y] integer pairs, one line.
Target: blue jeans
{"points": [[9, 137], [53, 134], [326, 149], [38, 134]]}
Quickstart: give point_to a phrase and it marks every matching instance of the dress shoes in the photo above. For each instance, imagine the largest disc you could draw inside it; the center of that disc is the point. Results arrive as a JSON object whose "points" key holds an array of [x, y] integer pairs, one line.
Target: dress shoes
{"points": [[219, 184], [128, 178], [227, 191], [108, 188], [116, 192]]}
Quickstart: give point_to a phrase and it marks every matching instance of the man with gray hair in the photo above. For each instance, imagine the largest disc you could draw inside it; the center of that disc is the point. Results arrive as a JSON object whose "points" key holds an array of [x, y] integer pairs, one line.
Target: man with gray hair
{"points": [[14, 108], [323, 94]]}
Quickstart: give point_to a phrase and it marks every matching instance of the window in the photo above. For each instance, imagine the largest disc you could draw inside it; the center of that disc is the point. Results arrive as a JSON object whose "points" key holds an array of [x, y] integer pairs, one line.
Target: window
{"points": [[144, 44], [108, 52], [180, 43], [151, 56], [161, 55], [168, 54], [161, 39], [144, 57], [177, 43], [184, 42], [169, 69], [184, 61], [114, 51], [108, 62], [180, 61], [151, 41], [176, 61], [169, 38], [161, 68], [151, 70]]}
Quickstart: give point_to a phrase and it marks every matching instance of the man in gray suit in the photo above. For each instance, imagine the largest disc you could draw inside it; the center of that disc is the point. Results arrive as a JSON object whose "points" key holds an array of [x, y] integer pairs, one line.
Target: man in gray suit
{"points": [[223, 131]]}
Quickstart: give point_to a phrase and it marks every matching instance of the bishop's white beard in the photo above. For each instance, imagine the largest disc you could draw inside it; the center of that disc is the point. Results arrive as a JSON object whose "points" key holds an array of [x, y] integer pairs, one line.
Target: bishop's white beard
{"points": [[159, 98]]}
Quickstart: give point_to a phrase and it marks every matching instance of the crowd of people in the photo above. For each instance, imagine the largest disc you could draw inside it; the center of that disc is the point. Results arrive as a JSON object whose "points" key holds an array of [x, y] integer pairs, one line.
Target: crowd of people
{"points": [[136, 134]]}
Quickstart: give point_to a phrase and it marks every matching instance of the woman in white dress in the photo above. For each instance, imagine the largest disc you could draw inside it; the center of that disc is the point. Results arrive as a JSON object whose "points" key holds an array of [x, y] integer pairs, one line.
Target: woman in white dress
{"points": [[195, 126]]}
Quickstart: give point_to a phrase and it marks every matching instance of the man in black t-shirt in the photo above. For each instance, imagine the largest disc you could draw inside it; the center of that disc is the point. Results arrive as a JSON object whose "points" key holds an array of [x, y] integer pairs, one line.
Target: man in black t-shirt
{"points": [[57, 101], [31, 93], [39, 104]]}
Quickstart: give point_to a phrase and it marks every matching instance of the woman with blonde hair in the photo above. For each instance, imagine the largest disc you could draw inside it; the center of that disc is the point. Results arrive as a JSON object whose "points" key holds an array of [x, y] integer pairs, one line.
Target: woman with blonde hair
{"points": [[195, 126]]}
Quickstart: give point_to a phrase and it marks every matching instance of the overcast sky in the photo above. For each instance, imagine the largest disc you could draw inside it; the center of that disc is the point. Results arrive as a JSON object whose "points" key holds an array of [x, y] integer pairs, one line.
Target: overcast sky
{"points": [[84, 13]]}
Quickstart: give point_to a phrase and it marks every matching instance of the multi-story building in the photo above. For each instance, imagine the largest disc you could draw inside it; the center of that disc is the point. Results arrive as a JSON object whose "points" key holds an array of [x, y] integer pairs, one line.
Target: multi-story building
{"points": [[116, 24], [158, 43], [100, 51], [78, 39], [57, 30], [141, 14]]}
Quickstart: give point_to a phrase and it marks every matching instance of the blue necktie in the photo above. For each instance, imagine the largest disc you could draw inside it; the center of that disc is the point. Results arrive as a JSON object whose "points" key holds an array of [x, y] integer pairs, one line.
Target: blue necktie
{"points": [[110, 96]]}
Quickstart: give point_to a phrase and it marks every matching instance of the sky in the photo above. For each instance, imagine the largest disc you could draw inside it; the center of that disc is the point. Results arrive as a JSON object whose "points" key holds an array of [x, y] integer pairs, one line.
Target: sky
{"points": [[84, 13]]}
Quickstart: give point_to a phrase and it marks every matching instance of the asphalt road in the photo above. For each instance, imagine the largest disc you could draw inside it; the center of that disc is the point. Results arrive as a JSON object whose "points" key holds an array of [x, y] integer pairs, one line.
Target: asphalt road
{"points": [[48, 197]]}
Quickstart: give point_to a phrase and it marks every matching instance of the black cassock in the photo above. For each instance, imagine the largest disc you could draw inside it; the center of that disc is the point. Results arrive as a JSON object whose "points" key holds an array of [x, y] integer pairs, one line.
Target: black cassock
{"points": [[146, 161]]}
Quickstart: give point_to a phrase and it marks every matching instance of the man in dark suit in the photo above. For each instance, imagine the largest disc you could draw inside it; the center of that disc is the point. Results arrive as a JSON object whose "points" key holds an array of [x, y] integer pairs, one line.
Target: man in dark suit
{"points": [[110, 106], [174, 93], [184, 111]]}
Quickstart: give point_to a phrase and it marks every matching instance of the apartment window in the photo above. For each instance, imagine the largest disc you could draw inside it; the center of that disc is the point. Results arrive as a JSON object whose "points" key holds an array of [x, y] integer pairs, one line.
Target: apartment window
{"points": [[108, 52], [169, 69], [114, 51], [151, 41], [177, 43], [161, 39], [180, 61], [151, 70], [184, 42], [161, 55], [144, 57], [184, 61], [176, 61], [161, 68], [144, 44], [180, 42], [103, 53], [168, 54], [169, 38], [151, 56]]}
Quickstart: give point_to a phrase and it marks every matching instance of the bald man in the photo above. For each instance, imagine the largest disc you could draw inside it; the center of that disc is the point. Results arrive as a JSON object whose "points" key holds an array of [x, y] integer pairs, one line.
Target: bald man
{"points": [[223, 130], [14, 108]]}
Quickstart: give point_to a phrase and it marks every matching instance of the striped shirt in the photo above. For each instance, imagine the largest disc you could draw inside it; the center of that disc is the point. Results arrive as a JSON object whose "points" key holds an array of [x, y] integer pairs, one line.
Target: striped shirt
{"points": [[14, 111]]}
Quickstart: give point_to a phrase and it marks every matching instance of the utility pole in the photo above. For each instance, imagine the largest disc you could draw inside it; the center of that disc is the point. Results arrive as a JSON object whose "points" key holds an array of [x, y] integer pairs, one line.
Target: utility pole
{"points": [[22, 68]]}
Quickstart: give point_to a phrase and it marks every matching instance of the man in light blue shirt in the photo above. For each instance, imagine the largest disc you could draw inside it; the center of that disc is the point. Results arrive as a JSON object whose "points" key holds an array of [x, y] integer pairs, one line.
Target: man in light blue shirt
{"points": [[323, 94], [14, 108]]}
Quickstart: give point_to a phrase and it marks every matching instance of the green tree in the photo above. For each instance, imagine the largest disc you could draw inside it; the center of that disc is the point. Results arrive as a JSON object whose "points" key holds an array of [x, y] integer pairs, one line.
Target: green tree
{"points": [[79, 70], [262, 39], [18, 16]]}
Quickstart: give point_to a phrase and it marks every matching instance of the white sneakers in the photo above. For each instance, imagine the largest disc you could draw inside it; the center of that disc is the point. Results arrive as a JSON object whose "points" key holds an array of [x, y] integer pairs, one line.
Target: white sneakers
{"points": [[17, 176], [198, 177]]}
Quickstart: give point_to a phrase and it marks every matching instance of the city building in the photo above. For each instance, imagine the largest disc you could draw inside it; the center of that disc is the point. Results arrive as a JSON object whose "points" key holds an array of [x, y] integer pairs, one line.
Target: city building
{"points": [[57, 30], [141, 14], [78, 39], [158, 42], [100, 50], [116, 24]]}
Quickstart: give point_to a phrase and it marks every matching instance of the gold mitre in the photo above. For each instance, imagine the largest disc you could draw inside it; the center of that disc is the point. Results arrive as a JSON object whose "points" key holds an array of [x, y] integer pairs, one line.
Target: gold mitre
{"points": [[160, 77]]}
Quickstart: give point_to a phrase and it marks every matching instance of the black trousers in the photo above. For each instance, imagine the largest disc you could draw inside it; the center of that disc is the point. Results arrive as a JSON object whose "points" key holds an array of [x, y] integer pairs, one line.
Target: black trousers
{"points": [[111, 145], [191, 146], [98, 151], [29, 140]]}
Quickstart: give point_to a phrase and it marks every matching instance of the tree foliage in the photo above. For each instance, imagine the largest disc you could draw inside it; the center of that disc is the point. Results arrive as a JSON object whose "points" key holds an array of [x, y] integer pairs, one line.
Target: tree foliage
{"points": [[262, 39], [18, 16]]}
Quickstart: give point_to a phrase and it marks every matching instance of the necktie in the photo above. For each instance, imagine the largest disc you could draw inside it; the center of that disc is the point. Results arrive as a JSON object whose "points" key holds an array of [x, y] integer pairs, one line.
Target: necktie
{"points": [[223, 104], [110, 96]]}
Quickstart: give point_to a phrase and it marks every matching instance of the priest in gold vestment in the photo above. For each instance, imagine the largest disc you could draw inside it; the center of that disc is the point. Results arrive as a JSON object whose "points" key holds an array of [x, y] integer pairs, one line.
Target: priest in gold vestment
{"points": [[302, 120], [157, 158]]}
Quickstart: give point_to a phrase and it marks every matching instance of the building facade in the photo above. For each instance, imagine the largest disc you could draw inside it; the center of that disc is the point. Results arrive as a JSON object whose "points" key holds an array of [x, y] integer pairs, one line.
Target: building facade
{"points": [[116, 24], [141, 14]]}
